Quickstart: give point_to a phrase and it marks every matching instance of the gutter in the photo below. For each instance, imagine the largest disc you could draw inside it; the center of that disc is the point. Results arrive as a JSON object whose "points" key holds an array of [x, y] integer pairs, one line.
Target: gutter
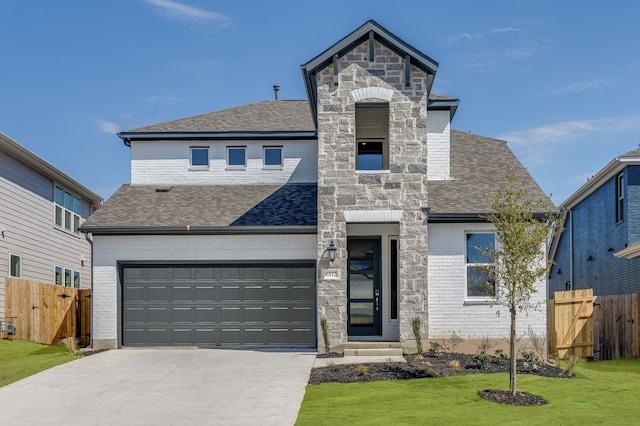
{"points": [[199, 230], [86, 236], [127, 137]]}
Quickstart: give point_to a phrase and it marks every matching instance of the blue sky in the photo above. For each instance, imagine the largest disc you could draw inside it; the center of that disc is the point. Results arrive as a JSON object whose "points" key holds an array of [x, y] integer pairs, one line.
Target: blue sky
{"points": [[557, 80]]}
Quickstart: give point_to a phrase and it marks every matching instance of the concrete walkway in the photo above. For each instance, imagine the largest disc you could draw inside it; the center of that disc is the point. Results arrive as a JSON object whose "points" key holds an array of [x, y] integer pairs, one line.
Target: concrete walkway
{"points": [[163, 386]]}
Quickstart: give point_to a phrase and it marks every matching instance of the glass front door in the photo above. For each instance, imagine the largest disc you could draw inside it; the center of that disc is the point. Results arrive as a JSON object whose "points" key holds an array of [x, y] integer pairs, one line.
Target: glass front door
{"points": [[364, 293]]}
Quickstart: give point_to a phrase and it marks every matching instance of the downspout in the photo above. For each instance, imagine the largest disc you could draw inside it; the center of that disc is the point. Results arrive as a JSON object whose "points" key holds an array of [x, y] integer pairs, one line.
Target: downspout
{"points": [[571, 248], [86, 236]]}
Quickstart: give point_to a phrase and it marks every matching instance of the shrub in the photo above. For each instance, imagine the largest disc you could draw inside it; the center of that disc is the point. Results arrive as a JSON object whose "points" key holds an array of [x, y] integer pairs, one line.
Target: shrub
{"points": [[532, 358], [570, 363], [482, 359], [363, 370], [415, 327], [435, 348], [501, 357], [451, 341], [455, 365], [325, 335]]}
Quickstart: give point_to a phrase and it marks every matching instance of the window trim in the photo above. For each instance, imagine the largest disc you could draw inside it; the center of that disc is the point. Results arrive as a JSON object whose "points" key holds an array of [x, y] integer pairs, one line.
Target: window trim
{"points": [[70, 220], [11, 274], [467, 265], [620, 197], [199, 166], [264, 157], [237, 166]]}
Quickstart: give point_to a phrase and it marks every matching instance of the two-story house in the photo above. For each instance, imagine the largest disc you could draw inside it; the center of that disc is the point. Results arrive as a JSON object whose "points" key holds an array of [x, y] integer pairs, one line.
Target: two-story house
{"points": [[41, 209], [600, 245], [358, 205]]}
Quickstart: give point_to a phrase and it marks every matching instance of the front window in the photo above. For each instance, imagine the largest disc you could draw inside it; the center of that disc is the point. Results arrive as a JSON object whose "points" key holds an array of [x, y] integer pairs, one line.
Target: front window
{"points": [[67, 209], [76, 279], [273, 156], [236, 157], [478, 258], [14, 266], [620, 197], [199, 156], [372, 136], [58, 276], [67, 277]]}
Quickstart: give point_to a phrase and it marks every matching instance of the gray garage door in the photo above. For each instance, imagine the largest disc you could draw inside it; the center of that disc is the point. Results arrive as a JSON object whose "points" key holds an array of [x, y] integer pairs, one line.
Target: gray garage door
{"points": [[214, 305]]}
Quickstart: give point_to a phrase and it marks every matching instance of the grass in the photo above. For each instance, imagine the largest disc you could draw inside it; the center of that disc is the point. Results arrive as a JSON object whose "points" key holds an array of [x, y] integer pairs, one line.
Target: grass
{"points": [[603, 392], [20, 359]]}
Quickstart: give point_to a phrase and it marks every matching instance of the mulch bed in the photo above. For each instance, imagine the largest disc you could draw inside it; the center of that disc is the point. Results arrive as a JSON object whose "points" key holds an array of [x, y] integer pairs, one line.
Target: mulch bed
{"points": [[440, 365]]}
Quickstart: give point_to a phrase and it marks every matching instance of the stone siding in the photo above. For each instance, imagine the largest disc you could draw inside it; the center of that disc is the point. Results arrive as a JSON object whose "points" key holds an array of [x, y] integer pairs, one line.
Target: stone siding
{"points": [[402, 187]]}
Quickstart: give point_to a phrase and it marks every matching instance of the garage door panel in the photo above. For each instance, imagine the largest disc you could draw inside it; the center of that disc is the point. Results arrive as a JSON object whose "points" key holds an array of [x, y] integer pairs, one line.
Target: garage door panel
{"points": [[213, 305], [204, 314], [182, 292]]}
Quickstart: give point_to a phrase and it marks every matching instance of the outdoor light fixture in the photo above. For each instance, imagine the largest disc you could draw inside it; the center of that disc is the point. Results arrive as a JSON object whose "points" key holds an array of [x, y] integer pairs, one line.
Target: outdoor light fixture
{"points": [[332, 251], [82, 259], [2, 231]]}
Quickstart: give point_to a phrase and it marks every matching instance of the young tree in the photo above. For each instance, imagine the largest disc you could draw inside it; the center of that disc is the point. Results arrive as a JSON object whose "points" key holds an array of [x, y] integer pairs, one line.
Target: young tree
{"points": [[519, 259]]}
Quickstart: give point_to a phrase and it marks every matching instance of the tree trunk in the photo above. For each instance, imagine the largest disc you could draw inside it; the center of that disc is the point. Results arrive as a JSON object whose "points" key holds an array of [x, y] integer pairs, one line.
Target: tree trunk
{"points": [[512, 352]]}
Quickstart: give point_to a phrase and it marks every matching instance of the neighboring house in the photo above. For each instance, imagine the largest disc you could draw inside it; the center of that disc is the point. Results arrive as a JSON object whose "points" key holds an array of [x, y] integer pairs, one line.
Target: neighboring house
{"points": [[41, 209], [600, 245], [248, 226]]}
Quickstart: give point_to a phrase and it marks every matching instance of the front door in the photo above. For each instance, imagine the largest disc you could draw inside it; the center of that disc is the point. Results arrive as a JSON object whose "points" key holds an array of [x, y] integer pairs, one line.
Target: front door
{"points": [[364, 292]]}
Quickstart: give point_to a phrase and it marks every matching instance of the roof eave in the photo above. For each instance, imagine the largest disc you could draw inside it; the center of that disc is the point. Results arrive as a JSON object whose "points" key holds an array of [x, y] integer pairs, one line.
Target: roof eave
{"points": [[28, 158], [127, 137], [198, 230], [443, 105], [614, 167]]}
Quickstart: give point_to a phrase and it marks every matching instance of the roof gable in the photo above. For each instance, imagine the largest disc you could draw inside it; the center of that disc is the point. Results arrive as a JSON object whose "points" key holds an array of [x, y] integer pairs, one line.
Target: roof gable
{"points": [[370, 30]]}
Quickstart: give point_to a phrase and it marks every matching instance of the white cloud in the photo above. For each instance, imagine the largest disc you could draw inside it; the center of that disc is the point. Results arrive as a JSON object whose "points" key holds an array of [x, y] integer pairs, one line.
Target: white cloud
{"points": [[578, 87], [108, 127], [539, 144], [472, 37], [183, 11]]}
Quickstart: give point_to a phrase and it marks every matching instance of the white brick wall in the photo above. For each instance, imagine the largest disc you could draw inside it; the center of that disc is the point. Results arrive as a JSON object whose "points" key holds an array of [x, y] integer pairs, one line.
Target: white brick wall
{"points": [[438, 145], [167, 162], [109, 250], [447, 290]]}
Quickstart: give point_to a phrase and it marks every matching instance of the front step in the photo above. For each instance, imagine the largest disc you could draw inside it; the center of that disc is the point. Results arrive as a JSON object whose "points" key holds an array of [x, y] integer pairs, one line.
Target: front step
{"points": [[384, 349]]}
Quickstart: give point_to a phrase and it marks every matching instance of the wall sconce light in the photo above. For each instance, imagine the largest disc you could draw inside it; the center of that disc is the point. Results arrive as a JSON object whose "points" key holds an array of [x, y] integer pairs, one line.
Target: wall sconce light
{"points": [[590, 258], [332, 251], [610, 249], [82, 259], [559, 271], [2, 231]]}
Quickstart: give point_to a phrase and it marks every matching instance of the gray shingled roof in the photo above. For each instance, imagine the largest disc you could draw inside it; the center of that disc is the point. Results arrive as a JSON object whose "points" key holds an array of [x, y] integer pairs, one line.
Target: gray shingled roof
{"points": [[264, 116], [475, 162], [205, 208], [634, 153]]}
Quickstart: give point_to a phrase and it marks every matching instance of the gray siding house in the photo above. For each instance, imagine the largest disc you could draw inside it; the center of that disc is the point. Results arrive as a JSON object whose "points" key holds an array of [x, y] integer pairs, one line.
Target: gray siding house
{"points": [[41, 210], [358, 205]]}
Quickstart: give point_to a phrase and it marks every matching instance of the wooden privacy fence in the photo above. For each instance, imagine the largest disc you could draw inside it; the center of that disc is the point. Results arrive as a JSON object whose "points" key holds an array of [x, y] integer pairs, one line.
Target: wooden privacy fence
{"points": [[602, 327], [46, 313], [616, 326], [570, 323]]}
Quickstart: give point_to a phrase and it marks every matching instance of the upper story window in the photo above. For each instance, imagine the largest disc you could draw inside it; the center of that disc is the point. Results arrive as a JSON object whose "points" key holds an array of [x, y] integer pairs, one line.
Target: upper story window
{"points": [[620, 197], [272, 157], [236, 157], [477, 260], [199, 156], [67, 209], [372, 136], [14, 266], [66, 277]]}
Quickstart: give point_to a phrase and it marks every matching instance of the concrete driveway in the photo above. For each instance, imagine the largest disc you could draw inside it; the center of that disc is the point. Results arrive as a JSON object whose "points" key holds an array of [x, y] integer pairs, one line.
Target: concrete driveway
{"points": [[164, 386]]}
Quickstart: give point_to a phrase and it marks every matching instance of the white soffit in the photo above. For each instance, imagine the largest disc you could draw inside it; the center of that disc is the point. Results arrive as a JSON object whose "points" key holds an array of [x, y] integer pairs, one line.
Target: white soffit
{"points": [[373, 216]]}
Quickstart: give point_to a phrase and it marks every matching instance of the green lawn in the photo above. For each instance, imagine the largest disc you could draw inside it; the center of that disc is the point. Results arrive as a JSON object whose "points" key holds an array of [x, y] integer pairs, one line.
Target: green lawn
{"points": [[19, 359], [603, 392]]}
